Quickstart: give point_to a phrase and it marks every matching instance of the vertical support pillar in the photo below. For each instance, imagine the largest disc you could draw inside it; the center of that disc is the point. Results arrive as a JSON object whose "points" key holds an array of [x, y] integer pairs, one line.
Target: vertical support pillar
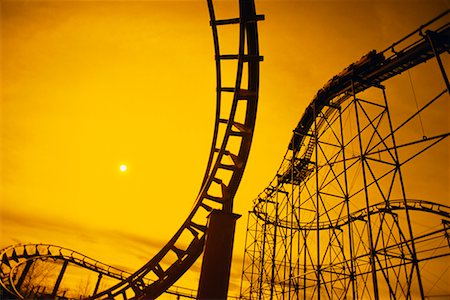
{"points": [[430, 37], [347, 205], [274, 253], [215, 272], [415, 260], [60, 277], [263, 251], [25, 271], [291, 230], [241, 288], [318, 213], [97, 284], [372, 254]]}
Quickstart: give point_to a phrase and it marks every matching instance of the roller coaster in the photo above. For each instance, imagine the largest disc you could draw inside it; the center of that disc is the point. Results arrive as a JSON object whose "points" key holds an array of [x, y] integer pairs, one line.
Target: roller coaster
{"points": [[334, 223]]}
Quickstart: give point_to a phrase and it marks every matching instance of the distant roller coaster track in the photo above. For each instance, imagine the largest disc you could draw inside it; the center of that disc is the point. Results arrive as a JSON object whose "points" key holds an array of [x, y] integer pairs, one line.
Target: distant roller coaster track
{"points": [[236, 106]]}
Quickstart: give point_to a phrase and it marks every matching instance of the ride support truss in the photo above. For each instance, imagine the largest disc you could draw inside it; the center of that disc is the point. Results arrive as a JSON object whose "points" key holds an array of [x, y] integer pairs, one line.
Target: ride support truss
{"points": [[337, 221]]}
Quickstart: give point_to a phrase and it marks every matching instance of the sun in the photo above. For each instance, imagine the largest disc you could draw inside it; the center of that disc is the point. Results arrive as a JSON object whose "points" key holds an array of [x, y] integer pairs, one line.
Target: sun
{"points": [[123, 168]]}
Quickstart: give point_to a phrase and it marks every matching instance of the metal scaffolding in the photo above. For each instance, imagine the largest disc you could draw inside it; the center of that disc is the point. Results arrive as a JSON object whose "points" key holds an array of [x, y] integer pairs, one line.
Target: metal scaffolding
{"points": [[336, 222]]}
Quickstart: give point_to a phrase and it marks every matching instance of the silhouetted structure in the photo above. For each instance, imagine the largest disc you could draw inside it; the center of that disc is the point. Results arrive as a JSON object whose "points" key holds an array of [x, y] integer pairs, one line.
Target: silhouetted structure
{"points": [[336, 221]]}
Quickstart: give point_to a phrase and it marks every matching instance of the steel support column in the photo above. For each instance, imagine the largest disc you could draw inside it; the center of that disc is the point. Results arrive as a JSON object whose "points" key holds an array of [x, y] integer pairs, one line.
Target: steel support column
{"points": [[60, 277], [408, 217], [362, 158], [215, 272], [430, 35], [24, 274], [97, 284]]}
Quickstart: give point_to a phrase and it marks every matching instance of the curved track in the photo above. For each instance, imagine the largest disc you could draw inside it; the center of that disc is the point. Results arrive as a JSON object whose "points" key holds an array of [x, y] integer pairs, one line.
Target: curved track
{"points": [[233, 132], [361, 215], [336, 221], [14, 256]]}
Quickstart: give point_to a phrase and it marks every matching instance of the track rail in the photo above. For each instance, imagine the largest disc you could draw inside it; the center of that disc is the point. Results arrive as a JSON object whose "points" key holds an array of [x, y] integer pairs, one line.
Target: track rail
{"points": [[232, 137], [371, 70], [427, 254], [14, 257], [362, 214]]}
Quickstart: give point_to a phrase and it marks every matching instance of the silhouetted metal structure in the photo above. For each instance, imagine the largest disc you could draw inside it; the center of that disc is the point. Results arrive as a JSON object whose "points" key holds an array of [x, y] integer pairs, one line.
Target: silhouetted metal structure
{"points": [[336, 222], [237, 98]]}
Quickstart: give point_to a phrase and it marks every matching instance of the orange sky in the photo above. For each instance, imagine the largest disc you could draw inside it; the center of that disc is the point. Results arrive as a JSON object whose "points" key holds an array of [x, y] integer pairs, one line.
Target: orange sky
{"points": [[89, 85]]}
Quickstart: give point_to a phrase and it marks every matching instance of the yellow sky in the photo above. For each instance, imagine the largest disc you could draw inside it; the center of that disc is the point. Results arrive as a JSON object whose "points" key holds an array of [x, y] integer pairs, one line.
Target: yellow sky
{"points": [[89, 85]]}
